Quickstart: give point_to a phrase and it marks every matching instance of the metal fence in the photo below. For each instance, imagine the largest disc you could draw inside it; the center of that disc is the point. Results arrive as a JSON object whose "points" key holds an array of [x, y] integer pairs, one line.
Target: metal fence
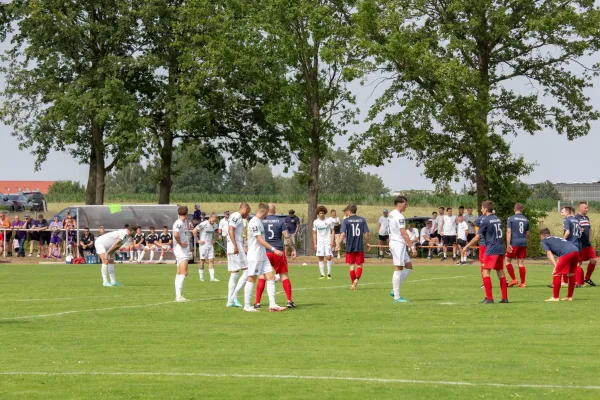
{"points": [[579, 191]]}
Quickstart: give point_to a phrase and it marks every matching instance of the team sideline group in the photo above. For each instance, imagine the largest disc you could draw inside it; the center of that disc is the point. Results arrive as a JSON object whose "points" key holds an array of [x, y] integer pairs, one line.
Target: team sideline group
{"points": [[262, 258]]}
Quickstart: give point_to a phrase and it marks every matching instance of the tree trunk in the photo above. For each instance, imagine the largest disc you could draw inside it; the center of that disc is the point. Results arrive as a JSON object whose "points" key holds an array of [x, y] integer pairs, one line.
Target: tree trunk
{"points": [[98, 146], [90, 191], [166, 158], [481, 181], [313, 199]]}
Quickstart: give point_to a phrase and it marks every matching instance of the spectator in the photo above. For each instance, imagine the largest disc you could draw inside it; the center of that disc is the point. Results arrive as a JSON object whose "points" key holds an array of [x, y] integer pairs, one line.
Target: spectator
{"points": [[433, 231], [1, 243], [202, 217], [292, 222], [461, 211], [55, 239], [426, 239], [224, 225], [101, 231], [42, 228], [470, 219], [337, 225], [5, 223], [34, 235], [196, 212], [86, 243], [71, 234], [383, 229], [20, 236]]}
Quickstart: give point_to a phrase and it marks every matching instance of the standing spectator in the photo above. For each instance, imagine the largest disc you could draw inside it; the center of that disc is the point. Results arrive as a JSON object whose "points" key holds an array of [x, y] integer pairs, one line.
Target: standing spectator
{"points": [[55, 239], [1, 243], [86, 243], [224, 226], [42, 228], [292, 222], [202, 217], [20, 235], [71, 233], [461, 211], [335, 222], [5, 224], [470, 219], [439, 222], [383, 229], [448, 228], [34, 235], [433, 231], [196, 211]]}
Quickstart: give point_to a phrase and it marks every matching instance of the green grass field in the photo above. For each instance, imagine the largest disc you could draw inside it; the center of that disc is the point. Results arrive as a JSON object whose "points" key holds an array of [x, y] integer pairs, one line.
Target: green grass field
{"points": [[63, 336]]}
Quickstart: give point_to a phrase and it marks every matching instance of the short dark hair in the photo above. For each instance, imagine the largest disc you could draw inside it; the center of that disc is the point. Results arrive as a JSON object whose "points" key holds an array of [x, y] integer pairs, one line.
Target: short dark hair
{"points": [[332, 210], [182, 210], [435, 212], [321, 209], [352, 208], [568, 208], [165, 227], [449, 208], [488, 205], [400, 200], [463, 207], [519, 207], [152, 228], [545, 231], [583, 202], [291, 212], [441, 208], [86, 229]]}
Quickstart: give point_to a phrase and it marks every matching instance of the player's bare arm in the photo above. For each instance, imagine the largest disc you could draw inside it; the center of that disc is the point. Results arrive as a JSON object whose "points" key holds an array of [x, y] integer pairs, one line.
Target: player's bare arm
{"points": [[332, 238], [266, 245], [551, 258], [566, 234], [367, 237], [409, 243], [288, 242], [177, 238], [340, 240], [472, 243], [315, 239], [231, 236], [508, 238], [114, 248]]}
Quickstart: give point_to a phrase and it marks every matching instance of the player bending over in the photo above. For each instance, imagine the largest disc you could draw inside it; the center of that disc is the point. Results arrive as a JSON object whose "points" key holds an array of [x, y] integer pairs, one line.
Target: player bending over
{"points": [[587, 250], [517, 233], [400, 243], [181, 251], [258, 263], [206, 231], [491, 230], [106, 245], [354, 230], [568, 254], [165, 242], [323, 240], [236, 256]]}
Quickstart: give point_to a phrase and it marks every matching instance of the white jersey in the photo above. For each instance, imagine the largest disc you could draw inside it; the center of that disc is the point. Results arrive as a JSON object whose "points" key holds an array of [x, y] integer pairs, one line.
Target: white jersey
{"points": [[462, 229], [323, 229], [224, 227], [449, 228], [181, 227], [384, 226], [109, 239], [207, 231], [256, 251], [413, 234], [438, 223], [397, 222], [237, 222], [425, 235], [334, 221]]}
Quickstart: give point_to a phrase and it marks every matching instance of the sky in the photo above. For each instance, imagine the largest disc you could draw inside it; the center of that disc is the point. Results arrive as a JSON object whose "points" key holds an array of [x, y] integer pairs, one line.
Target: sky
{"points": [[553, 154]]}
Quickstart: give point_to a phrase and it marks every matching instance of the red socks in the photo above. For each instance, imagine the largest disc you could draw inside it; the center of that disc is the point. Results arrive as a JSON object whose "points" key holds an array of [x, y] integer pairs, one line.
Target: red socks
{"points": [[565, 279], [556, 281], [522, 273], [571, 288], [578, 276], [504, 288], [487, 284], [352, 275], [260, 288], [590, 271], [358, 272], [511, 271], [287, 287]]}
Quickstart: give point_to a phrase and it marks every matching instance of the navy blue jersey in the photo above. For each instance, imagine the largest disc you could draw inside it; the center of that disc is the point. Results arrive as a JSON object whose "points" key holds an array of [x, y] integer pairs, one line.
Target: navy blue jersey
{"points": [[274, 228], [558, 246], [519, 226], [478, 222], [354, 227], [571, 224], [584, 224], [491, 230]]}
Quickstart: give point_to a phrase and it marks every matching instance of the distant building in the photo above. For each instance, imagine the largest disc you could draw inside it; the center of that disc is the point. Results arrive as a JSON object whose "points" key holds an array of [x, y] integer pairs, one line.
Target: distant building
{"points": [[411, 191], [579, 191], [7, 187]]}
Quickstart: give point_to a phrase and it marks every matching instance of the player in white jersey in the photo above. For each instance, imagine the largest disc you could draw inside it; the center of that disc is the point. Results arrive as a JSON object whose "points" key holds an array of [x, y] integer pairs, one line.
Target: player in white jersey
{"points": [[258, 262], [448, 229], [105, 246], [336, 224], [400, 243], [181, 250], [323, 240], [206, 231], [236, 256]]}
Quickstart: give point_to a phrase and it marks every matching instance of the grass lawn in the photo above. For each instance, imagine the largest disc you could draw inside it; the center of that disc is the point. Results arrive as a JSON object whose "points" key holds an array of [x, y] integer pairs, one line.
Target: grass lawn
{"points": [[64, 336]]}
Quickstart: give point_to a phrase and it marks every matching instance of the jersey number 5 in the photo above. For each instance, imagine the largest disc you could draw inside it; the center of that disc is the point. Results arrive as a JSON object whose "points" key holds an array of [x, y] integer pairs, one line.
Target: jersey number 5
{"points": [[271, 233]]}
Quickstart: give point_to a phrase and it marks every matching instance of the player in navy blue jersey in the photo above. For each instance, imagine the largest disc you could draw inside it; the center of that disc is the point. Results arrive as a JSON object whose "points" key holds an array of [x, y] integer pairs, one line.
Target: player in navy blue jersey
{"points": [[568, 254], [275, 232], [354, 230], [517, 233], [491, 231], [587, 249], [478, 222], [571, 231]]}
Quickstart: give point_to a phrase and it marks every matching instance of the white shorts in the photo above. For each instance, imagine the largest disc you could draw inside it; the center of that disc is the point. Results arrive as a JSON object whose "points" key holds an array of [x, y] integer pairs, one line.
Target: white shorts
{"points": [[399, 253], [100, 249], [166, 247], [324, 250], [256, 268], [150, 247], [207, 251], [236, 262]]}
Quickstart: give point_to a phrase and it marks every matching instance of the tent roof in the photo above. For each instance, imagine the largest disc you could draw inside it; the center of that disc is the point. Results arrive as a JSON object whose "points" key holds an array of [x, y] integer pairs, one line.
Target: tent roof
{"points": [[134, 214]]}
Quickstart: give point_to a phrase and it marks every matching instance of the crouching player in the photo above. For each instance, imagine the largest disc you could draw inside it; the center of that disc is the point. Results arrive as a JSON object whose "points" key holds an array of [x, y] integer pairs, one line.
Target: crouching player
{"points": [[568, 254], [207, 230], [106, 245]]}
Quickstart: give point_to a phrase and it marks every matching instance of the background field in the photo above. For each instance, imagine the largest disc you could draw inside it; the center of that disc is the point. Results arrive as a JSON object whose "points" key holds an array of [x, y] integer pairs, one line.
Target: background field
{"points": [[65, 337]]}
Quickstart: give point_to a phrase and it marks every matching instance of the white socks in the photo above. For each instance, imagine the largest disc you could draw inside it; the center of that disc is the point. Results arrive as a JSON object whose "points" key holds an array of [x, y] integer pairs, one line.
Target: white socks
{"points": [[322, 267], [248, 289], [329, 262], [131, 255], [104, 271], [179, 285], [231, 286], [140, 256], [271, 293], [201, 274], [241, 283], [396, 280], [151, 255], [404, 275], [111, 272], [211, 271], [463, 258]]}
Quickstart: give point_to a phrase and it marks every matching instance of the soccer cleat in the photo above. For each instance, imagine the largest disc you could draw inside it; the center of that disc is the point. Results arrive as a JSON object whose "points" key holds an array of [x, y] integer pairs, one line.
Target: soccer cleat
{"points": [[505, 301], [230, 304], [578, 286], [392, 293], [458, 263], [401, 300], [512, 283], [429, 257], [107, 284], [551, 286], [201, 279], [236, 303], [444, 259], [115, 283], [181, 300], [590, 282], [149, 262], [487, 301], [215, 280], [276, 308], [522, 285], [322, 277], [552, 299], [251, 309], [454, 258], [257, 306], [566, 299], [139, 262], [482, 287], [328, 277], [354, 284], [291, 304]]}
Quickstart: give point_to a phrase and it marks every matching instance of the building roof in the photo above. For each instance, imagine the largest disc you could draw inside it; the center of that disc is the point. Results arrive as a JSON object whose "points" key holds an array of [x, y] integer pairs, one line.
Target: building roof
{"points": [[23, 186]]}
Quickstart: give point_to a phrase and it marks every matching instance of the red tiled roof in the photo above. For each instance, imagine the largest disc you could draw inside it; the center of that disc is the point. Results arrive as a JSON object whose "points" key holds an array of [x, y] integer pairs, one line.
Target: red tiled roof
{"points": [[20, 186]]}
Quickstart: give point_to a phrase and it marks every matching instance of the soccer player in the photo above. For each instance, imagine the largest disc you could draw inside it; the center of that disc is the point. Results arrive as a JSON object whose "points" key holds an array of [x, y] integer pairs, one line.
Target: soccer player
{"points": [[335, 222], [517, 233], [400, 243], [383, 229], [462, 228], [258, 262], [139, 242], [275, 229], [165, 242], [151, 240], [181, 250], [568, 254], [491, 230], [323, 240], [448, 228], [354, 229], [206, 230], [106, 246], [236, 256], [587, 250], [572, 233]]}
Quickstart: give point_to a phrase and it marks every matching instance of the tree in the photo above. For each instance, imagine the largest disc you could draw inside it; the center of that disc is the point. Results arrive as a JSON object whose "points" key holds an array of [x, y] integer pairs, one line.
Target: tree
{"points": [[132, 178], [194, 170], [255, 181], [66, 72], [546, 190], [66, 188], [452, 67]]}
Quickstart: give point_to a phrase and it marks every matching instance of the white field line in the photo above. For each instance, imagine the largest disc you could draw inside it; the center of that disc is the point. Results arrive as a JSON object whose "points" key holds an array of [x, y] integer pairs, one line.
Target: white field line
{"points": [[171, 302], [309, 377]]}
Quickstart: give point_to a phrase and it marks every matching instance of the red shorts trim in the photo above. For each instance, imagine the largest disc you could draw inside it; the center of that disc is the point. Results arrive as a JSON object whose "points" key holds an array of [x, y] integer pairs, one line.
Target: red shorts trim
{"points": [[482, 250], [355, 257], [566, 264], [495, 261], [518, 252], [279, 263], [587, 254]]}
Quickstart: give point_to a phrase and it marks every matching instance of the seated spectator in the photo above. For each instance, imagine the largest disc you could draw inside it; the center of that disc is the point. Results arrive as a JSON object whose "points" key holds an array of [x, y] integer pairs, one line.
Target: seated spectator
{"points": [[138, 244], [20, 236], [55, 239], [101, 231], [42, 228], [426, 237], [34, 235], [165, 242], [86, 243]]}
